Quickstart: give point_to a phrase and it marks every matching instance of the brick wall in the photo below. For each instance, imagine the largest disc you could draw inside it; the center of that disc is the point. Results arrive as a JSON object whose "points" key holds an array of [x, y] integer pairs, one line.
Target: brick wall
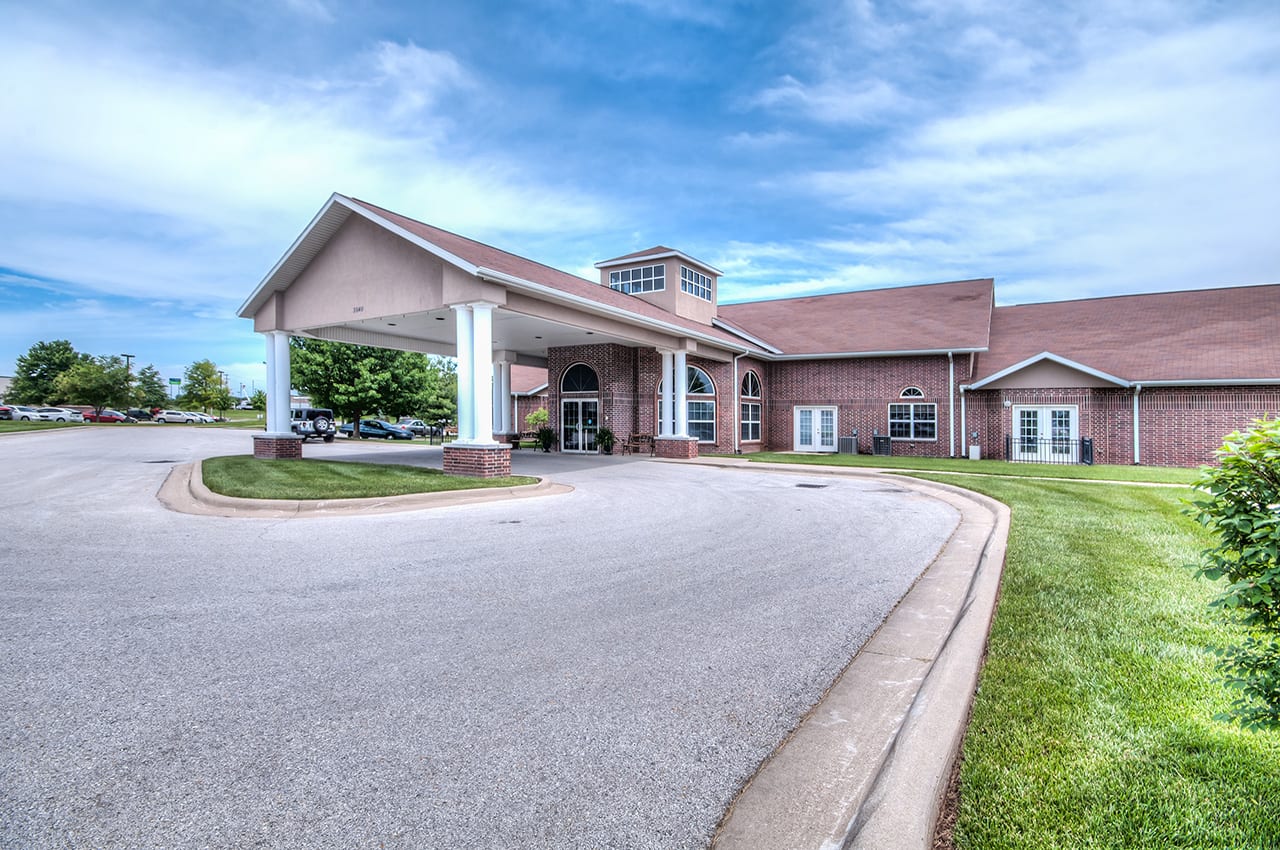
{"points": [[862, 390], [271, 447], [1180, 426], [526, 405]]}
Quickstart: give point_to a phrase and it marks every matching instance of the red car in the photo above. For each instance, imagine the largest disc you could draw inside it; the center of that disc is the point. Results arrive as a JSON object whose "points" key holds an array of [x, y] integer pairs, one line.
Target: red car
{"points": [[108, 416]]}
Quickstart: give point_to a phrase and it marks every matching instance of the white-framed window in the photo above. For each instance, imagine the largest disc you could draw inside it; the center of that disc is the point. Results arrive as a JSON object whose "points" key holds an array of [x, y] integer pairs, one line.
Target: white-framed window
{"points": [[911, 392], [700, 405], [695, 283], [749, 419], [642, 279], [913, 421]]}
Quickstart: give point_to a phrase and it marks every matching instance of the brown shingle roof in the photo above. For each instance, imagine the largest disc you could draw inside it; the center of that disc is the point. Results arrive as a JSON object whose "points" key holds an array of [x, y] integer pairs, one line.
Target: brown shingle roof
{"points": [[526, 379], [1207, 334], [936, 317], [486, 256]]}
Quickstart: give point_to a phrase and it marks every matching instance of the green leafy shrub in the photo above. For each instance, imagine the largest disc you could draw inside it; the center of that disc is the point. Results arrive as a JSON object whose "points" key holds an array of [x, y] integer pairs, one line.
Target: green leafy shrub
{"points": [[536, 419], [1241, 505]]}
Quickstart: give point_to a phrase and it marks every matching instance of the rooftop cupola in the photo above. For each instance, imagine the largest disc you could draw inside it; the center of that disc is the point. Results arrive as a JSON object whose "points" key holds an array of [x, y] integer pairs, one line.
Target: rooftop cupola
{"points": [[666, 278]]}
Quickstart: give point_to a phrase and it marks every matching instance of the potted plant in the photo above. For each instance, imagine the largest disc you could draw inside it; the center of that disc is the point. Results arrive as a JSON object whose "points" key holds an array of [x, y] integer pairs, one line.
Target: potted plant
{"points": [[605, 440], [546, 437]]}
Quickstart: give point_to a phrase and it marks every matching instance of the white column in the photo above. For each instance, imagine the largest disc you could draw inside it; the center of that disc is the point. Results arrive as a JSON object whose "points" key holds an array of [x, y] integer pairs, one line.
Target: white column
{"points": [[682, 394], [506, 421], [278, 382], [495, 383], [665, 428], [466, 372], [482, 363]]}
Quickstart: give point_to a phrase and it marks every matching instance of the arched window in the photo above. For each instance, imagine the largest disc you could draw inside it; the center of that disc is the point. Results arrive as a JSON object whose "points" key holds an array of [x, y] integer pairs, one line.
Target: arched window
{"points": [[580, 378], [749, 421], [912, 392], [701, 405]]}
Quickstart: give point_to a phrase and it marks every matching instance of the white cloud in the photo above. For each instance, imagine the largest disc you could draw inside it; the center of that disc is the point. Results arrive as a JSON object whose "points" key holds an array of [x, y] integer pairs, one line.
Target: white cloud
{"points": [[835, 101], [315, 9], [420, 77]]}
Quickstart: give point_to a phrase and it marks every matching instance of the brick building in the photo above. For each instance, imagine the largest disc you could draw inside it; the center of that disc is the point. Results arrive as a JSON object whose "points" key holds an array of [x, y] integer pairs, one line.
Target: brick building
{"points": [[936, 370]]}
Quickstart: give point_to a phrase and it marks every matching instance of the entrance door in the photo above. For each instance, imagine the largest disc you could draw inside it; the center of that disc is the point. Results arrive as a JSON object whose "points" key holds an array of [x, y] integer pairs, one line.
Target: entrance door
{"points": [[815, 429], [578, 425], [1046, 434]]}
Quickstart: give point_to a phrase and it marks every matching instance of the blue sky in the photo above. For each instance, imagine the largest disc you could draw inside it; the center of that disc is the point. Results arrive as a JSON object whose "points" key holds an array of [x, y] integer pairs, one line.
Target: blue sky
{"points": [[159, 157]]}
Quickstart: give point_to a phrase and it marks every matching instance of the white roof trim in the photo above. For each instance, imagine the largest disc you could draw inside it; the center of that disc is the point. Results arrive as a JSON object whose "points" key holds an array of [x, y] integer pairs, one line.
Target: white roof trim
{"points": [[531, 392], [725, 326], [630, 261], [845, 355], [1046, 355], [1210, 382]]}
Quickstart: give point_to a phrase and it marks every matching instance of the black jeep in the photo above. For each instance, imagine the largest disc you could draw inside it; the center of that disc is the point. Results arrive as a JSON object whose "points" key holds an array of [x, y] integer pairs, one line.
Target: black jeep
{"points": [[313, 422]]}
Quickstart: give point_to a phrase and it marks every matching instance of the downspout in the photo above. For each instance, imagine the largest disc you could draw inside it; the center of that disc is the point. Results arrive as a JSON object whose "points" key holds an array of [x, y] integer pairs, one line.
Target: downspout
{"points": [[951, 400], [737, 405], [1137, 438], [964, 422]]}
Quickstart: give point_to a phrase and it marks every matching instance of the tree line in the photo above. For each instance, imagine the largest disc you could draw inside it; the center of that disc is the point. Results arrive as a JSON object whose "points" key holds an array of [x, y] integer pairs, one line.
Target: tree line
{"points": [[352, 380]]}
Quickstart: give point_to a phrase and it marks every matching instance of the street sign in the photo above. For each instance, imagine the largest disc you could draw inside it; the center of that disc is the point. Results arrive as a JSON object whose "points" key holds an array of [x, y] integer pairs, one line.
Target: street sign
{"points": [[175, 381]]}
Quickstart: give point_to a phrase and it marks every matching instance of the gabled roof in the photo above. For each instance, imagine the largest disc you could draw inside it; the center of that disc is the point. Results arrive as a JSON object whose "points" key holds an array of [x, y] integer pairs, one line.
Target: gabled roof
{"points": [[936, 317], [1198, 335], [657, 252], [1048, 357]]}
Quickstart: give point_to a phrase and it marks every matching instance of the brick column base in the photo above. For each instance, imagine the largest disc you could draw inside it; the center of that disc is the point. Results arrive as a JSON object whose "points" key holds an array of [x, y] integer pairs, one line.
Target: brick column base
{"points": [[477, 461], [277, 446], [681, 448]]}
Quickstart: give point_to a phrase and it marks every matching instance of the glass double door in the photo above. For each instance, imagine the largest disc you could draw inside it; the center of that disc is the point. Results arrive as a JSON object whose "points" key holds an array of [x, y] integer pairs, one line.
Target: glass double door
{"points": [[1046, 434], [815, 429], [578, 424]]}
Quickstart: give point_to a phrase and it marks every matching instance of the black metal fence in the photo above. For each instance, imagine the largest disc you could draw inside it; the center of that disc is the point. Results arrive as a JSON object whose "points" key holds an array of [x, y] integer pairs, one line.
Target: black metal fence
{"points": [[1061, 450]]}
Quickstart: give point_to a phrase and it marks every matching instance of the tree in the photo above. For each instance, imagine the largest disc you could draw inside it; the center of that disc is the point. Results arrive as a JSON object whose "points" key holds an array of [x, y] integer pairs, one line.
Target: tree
{"points": [[354, 380], [1242, 508], [99, 381], [258, 400], [149, 388], [37, 371], [202, 385]]}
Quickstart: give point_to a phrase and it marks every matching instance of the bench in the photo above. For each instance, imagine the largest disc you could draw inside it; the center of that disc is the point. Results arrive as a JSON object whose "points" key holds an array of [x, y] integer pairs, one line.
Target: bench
{"points": [[638, 443]]}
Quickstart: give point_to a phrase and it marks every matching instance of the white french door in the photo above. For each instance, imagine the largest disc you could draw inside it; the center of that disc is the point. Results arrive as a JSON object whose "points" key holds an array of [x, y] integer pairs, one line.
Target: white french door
{"points": [[578, 425], [1046, 433], [815, 429]]}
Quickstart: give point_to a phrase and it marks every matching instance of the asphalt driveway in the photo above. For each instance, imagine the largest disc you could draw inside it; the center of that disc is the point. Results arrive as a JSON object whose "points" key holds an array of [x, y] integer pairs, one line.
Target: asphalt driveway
{"points": [[598, 669]]}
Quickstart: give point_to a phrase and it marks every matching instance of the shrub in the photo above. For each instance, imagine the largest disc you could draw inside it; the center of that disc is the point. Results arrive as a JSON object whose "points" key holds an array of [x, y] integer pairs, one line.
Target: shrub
{"points": [[1242, 508], [536, 419]]}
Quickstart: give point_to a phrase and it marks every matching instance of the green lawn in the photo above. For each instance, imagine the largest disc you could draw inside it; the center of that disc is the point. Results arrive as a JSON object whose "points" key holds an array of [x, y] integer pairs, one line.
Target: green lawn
{"points": [[1092, 726], [8, 427], [1159, 474], [250, 478], [1093, 722]]}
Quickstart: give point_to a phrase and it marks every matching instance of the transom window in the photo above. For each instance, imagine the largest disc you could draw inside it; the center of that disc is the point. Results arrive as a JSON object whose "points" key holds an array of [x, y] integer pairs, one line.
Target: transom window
{"points": [[913, 421], [749, 421], [580, 378], [642, 279], [912, 392], [695, 283]]}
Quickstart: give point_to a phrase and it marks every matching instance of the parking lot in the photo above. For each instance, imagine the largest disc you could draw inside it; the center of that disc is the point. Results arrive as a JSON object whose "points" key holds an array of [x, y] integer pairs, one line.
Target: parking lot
{"points": [[598, 669]]}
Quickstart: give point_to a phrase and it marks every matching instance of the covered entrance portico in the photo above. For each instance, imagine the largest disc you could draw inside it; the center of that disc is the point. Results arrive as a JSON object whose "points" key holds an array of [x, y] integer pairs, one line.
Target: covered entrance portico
{"points": [[363, 275]]}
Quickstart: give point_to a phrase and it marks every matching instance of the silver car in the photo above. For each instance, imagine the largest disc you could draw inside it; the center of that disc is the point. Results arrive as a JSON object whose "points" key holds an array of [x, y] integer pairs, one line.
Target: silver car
{"points": [[174, 416], [23, 413], [59, 414]]}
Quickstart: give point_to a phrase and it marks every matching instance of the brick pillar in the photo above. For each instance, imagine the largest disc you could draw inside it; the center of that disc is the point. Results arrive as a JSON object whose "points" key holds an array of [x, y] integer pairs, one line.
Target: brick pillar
{"points": [[477, 461], [681, 448], [277, 446]]}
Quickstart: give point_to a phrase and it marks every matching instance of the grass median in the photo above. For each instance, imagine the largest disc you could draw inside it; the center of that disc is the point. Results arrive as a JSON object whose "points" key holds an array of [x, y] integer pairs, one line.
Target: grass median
{"points": [[1093, 723], [252, 478]]}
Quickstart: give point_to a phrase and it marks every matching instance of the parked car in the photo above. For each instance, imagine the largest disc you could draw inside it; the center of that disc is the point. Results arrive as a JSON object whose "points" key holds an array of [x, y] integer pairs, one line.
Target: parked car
{"points": [[417, 426], [59, 414], [378, 428], [201, 418], [313, 423], [138, 414], [175, 416], [108, 415], [19, 413]]}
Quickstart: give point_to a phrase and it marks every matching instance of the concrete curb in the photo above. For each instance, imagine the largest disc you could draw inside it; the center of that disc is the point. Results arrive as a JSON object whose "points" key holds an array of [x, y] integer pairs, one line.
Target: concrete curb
{"points": [[869, 765], [184, 491]]}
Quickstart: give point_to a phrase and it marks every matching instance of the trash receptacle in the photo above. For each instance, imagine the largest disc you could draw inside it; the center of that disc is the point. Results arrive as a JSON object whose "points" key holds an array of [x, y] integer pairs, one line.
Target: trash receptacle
{"points": [[975, 452]]}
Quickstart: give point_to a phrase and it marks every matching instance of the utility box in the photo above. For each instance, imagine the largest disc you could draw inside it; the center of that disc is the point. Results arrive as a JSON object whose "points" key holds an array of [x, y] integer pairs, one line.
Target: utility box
{"points": [[848, 445], [882, 444], [975, 452]]}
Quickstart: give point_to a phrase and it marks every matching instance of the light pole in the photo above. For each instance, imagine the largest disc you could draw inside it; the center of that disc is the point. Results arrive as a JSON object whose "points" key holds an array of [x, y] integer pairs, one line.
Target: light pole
{"points": [[128, 363]]}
